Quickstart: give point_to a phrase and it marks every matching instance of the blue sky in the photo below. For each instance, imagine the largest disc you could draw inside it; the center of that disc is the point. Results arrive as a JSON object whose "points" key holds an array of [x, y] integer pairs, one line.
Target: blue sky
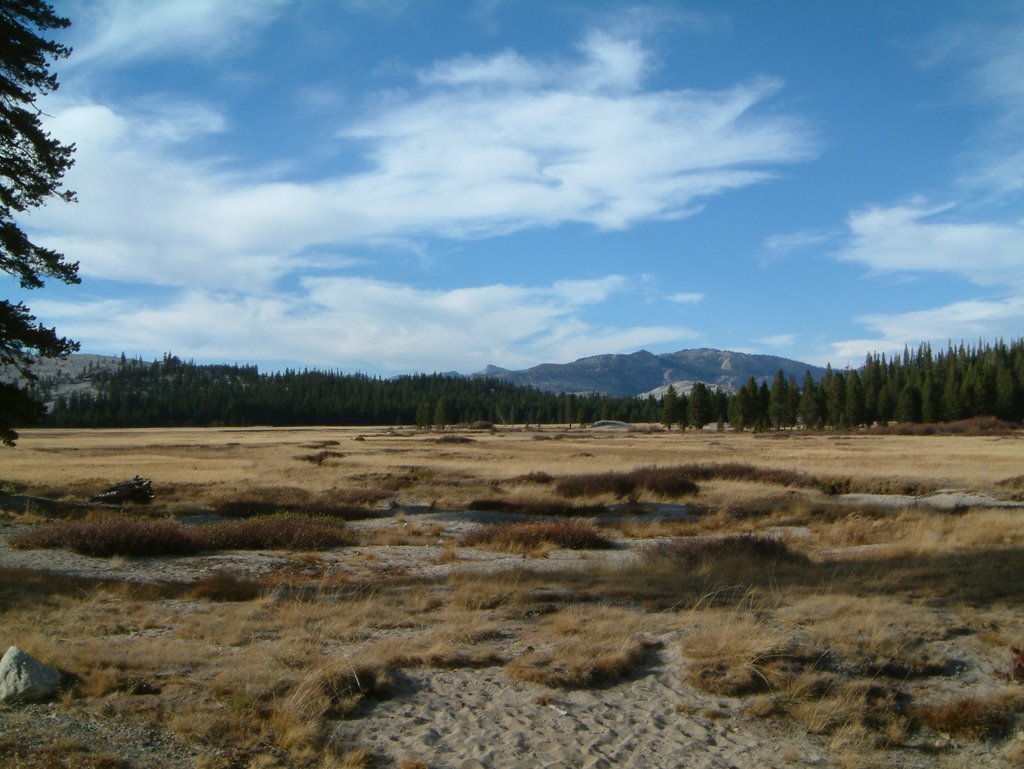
{"points": [[404, 186]]}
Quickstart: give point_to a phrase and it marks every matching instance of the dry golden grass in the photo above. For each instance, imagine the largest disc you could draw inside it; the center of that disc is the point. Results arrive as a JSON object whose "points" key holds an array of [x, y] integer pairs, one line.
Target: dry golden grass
{"points": [[206, 467], [583, 646], [842, 639], [733, 651]]}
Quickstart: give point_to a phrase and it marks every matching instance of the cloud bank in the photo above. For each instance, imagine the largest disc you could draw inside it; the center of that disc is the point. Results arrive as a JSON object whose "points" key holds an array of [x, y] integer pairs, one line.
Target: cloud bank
{"points": [[258, 263]]}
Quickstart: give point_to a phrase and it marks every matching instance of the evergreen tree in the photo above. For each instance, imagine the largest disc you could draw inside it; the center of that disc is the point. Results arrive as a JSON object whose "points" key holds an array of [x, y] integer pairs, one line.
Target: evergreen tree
{"points": [[809, 411], [778, 403], [670, 407], [701, 408], [32, 165]]}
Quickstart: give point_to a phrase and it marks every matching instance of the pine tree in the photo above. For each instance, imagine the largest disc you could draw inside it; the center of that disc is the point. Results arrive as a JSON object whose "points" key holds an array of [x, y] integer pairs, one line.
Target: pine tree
{"points": [[32, 165]]}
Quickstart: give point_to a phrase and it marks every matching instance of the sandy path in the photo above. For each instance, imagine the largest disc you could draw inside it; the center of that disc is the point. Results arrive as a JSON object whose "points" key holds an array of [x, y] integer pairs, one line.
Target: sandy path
{"points": [[470, 719]]}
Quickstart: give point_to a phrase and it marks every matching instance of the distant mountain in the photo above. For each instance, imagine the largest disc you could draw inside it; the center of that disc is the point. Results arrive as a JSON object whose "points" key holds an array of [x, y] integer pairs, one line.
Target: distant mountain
{"points": [[644, 372], [63, 376]]}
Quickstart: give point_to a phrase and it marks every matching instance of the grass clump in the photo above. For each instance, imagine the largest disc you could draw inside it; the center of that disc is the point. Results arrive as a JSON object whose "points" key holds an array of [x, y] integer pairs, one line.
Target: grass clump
{"points": [[735, 651], [583, 646], [524, 537], [971, 716], [111, 535]]}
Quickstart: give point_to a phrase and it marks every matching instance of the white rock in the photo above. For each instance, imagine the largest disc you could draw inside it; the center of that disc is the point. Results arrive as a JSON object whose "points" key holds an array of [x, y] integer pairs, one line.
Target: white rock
{"points": [[23, 678]]}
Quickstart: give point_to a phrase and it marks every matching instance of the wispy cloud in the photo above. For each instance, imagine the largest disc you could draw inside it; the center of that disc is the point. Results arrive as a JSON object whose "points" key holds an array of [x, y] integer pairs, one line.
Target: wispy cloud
{"points": [[784, 243], [112, 33], [477, 147], [994, 55], [916, 237], [686, 298]]}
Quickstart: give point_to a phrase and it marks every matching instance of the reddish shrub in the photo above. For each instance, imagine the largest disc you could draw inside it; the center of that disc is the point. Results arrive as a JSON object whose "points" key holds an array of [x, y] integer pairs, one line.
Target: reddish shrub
{"points": [[527, 536]]}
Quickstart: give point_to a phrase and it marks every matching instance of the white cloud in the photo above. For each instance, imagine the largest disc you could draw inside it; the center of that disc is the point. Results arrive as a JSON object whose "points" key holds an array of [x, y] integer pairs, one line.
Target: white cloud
{"points": [[111, 33], [686, 297], [341, 322], [911, 238], [505, 143], [968, 320]]}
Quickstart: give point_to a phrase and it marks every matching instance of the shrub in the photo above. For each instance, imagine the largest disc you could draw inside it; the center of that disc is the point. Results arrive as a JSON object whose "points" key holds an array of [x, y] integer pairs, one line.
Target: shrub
{"points": [[113, 535], [981, 425], [320, 457], [283, 531], [594, 484], [454, 439], [123, 535], [665, 481], [536, 476], [693, 552], [224, 586], [535, 508], [518, 537]]}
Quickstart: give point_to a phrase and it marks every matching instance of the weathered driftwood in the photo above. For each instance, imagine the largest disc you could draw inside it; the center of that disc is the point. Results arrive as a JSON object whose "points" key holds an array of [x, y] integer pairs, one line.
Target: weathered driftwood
{"points": [[138, 490]]}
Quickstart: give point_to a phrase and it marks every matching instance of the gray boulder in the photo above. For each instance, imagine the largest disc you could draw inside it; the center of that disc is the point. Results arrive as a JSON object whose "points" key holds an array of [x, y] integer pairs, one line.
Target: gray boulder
{"points": [[23, 678]]}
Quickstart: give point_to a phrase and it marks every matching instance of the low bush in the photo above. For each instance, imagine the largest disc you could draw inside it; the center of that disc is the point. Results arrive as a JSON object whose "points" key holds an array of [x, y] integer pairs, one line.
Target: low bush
{"points": [[536, 476], [225, 586], [594, 484], [535, 508], [695, 552], [454, 439], [982, 425], [320, 457], [123, 535], [523, 537], [284, 531], [663, 481], [265, 500], [112, 535]]}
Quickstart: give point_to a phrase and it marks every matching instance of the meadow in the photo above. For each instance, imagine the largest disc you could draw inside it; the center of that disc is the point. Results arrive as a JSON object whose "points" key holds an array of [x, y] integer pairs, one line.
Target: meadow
{"points": [[355, 597]]}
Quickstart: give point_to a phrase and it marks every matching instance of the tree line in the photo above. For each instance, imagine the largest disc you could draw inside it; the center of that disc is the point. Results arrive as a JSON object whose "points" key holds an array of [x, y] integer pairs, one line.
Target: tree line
{"points": [[919, 386], [172, 392]]}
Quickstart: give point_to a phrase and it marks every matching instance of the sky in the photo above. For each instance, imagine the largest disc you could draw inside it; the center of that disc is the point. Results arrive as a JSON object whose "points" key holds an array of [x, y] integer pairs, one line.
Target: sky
{"points": [[393, 186]]}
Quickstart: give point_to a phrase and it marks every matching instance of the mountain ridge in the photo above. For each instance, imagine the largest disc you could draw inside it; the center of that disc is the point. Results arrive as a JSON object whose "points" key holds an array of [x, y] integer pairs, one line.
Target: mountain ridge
{"points": [[644, 372]]}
